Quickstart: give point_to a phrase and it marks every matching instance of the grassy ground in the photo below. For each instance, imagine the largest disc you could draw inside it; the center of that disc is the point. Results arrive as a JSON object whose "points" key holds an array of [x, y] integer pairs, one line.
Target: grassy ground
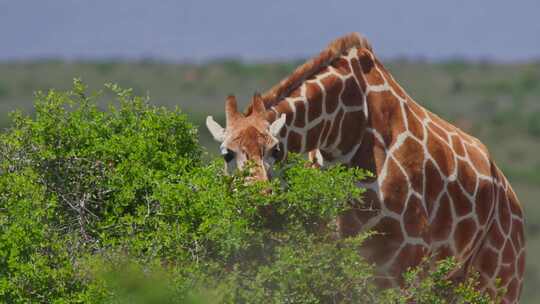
{"points": [[499, 103]]}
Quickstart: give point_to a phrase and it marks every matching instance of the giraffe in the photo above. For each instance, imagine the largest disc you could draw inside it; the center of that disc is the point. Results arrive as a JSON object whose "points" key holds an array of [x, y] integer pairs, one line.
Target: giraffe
{"points": [[435, 190]]}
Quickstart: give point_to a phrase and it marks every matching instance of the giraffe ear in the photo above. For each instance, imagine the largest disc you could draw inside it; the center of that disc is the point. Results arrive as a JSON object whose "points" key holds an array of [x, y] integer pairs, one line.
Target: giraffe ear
{"points": [[215, 129], [276, 126], [258, 103]]}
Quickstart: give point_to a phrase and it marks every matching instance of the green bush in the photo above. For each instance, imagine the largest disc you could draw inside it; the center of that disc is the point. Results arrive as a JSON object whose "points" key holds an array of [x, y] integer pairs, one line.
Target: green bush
{"points": [[119, 206]]}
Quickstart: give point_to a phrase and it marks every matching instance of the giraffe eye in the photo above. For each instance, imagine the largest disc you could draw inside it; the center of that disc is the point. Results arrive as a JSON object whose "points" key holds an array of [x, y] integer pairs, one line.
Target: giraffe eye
{"points": [[228, 155], [276, 152]]}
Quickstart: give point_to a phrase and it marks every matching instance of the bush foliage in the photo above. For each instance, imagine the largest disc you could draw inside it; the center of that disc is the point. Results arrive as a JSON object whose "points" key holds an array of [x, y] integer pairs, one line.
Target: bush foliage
{"points": [[119, 206]]}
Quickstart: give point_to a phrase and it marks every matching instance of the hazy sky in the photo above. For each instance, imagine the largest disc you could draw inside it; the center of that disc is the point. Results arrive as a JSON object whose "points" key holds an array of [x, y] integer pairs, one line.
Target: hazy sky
{"points": [[198, 30]]}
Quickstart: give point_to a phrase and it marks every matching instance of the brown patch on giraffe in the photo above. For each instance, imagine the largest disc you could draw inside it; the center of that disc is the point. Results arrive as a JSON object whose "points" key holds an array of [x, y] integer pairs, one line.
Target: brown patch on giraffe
{"points": [[370, 156], [512, 290], [441, 154], [354, 125], [477, 239], [480, 163], [487, 261], [415, 218], [411, 157], [484, 201], [295, 93], [379, 153], [323, 70], [342, 66], [409, 256], [504, 213], [434, 184], [300, 114], [334, 131], [381, 247], [495, 236], [284, 107], [314, 99], [465, 232], [441, 226], [348, 224], [415, 126], [508, 254], [394, 188], [442, 252], [385, 115], [332, 85], [270, 115], [312, 137], [462, 204], [457, 146], [374, 78], [391, 228], [371, 74], [467, 177], [294, 143], [366, 62], [364, 158], [437, 130], [283, 132], [358, 74], [352, 96], [505, 272]]}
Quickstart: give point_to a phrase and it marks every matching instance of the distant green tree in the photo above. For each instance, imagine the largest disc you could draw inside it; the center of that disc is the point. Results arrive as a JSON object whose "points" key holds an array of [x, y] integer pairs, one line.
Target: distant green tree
{"points": [[534, 124]]}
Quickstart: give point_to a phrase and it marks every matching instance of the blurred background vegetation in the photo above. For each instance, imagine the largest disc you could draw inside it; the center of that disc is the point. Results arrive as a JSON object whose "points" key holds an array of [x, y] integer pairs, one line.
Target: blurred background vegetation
{"points": [[498, 103]]}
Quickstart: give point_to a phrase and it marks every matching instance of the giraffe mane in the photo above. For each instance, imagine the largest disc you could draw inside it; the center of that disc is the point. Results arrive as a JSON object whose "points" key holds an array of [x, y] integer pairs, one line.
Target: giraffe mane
{"points": [[333, 51]]}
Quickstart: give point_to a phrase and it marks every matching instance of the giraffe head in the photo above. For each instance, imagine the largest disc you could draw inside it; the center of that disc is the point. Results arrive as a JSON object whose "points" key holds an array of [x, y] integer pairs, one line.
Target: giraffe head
{"points": [[248, 138]]}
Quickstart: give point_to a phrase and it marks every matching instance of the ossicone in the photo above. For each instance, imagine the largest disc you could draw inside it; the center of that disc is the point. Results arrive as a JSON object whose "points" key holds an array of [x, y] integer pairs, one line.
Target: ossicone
{"points": [[231, 110]]}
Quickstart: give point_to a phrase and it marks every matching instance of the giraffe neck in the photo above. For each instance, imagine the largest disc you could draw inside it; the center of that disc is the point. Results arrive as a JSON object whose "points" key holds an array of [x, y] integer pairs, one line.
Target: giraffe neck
{"points": [[331, 110]]}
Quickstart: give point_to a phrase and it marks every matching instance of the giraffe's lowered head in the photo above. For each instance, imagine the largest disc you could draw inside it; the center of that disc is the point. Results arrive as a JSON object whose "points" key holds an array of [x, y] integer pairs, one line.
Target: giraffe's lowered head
{"points": [[248, 137]]}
